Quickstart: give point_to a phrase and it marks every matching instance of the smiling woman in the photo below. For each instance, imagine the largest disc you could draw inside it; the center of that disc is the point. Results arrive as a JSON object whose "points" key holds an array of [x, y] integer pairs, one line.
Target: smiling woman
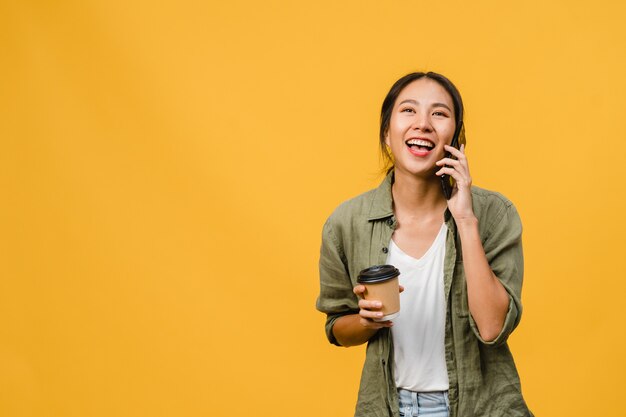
{"points": [[451, 107], [420, 125], [460, 261]]}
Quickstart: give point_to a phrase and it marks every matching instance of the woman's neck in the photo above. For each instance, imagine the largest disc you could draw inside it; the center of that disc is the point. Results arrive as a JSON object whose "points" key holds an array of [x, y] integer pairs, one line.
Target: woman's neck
{"points": [[417, 196]]}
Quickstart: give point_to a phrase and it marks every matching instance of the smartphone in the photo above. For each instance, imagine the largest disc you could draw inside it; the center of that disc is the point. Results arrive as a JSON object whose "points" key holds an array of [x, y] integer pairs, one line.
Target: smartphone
{"points": [[447, 182]]}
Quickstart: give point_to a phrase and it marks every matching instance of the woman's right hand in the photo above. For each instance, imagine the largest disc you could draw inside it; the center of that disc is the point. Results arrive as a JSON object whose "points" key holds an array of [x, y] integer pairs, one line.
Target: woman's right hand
{"points": [[370, 310], [356, 329]]}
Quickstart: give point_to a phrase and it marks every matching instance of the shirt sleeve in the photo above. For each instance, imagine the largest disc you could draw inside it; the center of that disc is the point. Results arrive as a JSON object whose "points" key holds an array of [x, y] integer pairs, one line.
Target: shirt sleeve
{"points": [[503, 248], [336, 298]]}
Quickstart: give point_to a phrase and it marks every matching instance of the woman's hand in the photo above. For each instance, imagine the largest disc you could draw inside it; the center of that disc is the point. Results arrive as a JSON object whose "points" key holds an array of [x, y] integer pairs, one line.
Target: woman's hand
{"points": [[370, 310], [356, 329], [460, 203]]}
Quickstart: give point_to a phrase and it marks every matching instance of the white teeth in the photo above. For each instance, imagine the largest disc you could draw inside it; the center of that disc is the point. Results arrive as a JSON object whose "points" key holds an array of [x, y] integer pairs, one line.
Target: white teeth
{"points": [[420, 142]]}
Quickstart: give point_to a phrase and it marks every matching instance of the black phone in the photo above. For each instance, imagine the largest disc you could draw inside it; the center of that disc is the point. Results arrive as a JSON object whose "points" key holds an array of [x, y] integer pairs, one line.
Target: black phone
{"points": [[447, 182]]}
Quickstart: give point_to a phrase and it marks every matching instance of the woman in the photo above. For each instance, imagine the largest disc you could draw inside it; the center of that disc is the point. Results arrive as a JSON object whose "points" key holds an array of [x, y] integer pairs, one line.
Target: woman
{"points": [[461, 269]]}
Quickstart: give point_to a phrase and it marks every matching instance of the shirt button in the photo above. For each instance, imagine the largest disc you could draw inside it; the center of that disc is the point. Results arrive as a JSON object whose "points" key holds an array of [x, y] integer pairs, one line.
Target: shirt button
{"points": [[390, 221], [385, 250]]}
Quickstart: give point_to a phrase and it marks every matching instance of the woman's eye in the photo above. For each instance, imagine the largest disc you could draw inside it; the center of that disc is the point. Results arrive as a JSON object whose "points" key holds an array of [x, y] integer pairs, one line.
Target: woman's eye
{"points": [[407, 110], [440, 113]]}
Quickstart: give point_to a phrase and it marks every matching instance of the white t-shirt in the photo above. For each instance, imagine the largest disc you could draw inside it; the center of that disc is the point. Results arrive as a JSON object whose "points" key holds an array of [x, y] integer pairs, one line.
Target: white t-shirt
{"points": [[418, 332]]}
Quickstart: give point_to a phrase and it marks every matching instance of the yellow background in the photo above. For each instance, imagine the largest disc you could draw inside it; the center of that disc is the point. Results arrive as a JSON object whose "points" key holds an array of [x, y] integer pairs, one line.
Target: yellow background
{"points": [[166, 168]]}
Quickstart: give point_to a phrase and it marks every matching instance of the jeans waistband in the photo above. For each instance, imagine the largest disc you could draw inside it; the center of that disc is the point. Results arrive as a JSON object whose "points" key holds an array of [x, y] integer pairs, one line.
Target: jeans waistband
{"points": [[423, 400]]}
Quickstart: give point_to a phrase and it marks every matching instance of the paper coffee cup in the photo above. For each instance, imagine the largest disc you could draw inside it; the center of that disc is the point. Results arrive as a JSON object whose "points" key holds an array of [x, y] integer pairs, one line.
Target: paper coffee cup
{"points": [[381, 283]]}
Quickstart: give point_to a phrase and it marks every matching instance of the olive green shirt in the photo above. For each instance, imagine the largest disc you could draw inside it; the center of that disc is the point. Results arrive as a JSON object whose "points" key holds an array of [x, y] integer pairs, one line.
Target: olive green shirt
{"points": [[483, 378]]}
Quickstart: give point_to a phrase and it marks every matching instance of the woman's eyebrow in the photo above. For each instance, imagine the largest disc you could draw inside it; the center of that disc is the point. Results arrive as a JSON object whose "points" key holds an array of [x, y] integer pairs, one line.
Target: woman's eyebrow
{"points": [[445, 106], [432, 105]]}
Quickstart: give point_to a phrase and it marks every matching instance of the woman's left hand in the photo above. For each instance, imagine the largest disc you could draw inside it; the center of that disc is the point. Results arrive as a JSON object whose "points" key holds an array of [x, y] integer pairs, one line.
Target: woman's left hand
{"points": [[460, 203]]}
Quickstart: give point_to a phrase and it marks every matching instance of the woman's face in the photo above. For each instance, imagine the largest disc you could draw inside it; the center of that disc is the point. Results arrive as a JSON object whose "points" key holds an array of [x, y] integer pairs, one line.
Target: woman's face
{"points": [[422, 121]]}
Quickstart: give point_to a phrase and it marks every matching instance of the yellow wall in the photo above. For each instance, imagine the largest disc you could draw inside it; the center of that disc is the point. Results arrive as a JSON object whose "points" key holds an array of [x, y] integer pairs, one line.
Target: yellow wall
{"points": [[166, 167]]}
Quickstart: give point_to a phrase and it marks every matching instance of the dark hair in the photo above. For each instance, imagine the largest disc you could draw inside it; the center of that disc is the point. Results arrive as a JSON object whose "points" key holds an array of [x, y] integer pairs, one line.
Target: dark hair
{"points": [[394, 92]]}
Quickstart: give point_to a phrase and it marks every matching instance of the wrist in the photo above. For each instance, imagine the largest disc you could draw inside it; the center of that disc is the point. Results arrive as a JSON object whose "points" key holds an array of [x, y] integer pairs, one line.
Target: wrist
{"points": [[466, 223]]}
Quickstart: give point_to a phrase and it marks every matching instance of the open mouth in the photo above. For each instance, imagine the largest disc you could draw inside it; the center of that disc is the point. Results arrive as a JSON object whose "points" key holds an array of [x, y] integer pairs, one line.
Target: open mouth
{"points": [[420, 147]]}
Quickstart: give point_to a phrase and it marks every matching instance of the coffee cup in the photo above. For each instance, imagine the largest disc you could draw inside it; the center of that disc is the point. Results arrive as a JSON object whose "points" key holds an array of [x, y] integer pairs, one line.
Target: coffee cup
{"points": [[381, 283]]}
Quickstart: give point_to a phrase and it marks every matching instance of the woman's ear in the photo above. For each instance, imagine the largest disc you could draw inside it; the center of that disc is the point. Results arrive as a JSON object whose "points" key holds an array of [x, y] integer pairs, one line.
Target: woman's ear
{"points": [[387, 138]]}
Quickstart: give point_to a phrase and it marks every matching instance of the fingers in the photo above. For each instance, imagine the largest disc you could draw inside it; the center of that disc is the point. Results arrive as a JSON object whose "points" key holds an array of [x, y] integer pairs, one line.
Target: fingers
{"points": [[370, 324], [456, 168], [450, 171], [449, 161], [450, 164], [461, 159], [359, 290], [456, 174], [370, 311], [459, 162], [370, 316], [459, 153], [370, 304]]}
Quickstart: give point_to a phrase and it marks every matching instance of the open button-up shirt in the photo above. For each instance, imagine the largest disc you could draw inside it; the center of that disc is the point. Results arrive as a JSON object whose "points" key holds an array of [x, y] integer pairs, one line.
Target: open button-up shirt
{"points": [[483, 378]]}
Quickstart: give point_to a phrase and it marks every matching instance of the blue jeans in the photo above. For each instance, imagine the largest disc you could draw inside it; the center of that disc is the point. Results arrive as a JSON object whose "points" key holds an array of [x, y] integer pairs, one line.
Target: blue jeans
{"points": [[432, 404]]}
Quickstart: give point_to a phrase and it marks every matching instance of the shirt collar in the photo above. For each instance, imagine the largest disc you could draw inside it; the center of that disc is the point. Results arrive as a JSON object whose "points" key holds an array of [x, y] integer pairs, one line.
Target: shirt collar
{"points": [[382, 203]]}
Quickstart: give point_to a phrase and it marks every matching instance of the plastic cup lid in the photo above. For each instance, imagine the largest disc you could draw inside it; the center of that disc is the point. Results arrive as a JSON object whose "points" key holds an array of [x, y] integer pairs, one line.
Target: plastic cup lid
{"points": [[377, 273]]}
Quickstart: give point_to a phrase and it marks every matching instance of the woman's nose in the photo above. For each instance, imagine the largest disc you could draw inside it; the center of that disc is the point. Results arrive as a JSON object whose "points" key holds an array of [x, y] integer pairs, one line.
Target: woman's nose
{"points": [[422, 123]]}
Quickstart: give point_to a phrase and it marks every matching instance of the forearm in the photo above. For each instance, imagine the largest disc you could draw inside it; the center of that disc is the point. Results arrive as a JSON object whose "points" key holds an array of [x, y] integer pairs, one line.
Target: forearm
{"points": [[487, 298], [349, 331]]}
